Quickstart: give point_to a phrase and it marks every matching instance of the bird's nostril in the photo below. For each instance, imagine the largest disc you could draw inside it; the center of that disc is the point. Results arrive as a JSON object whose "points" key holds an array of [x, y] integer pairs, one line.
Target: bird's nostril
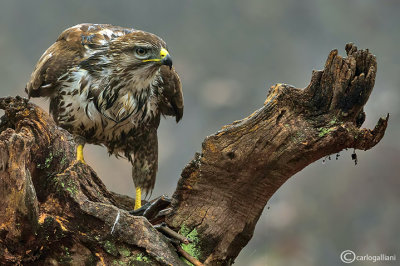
{"points": [[163, 53]]}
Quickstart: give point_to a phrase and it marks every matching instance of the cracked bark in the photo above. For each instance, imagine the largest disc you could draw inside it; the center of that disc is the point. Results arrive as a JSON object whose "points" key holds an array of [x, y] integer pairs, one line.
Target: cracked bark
{"points": [[57, 211]]}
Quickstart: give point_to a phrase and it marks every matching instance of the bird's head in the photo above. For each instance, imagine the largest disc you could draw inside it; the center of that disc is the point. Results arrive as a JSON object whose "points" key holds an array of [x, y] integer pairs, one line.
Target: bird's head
{"points": [[141, 60], [141, 50]]}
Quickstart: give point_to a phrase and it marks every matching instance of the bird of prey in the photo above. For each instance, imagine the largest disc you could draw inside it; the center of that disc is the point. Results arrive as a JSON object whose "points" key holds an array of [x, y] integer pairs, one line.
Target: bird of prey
{"points": [[109, 85]]}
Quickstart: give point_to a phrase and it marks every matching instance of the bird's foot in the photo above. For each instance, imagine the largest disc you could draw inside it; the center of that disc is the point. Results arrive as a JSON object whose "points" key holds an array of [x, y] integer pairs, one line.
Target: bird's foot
{"points": [[138, 199], [155, 210], [80, 141], [79, 154]]}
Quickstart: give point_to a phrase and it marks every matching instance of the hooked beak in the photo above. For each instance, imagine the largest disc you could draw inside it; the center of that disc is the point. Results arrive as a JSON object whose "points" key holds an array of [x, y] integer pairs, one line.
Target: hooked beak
{"points": [[165, 58]]}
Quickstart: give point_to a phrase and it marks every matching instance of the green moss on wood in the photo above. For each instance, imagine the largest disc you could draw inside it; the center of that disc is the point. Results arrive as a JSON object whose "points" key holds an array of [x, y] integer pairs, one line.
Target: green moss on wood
{"points": [[63, 160], [333, 121], [124, 251], [141, 257], [47, 162], [299, 137], [110, 248], [323, 131], [65, 256], [118, 262], [191, 248]]}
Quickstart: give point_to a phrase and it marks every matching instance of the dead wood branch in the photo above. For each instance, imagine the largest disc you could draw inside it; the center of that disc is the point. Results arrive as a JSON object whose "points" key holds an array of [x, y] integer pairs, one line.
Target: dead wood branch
{"points": [[56, 210]]}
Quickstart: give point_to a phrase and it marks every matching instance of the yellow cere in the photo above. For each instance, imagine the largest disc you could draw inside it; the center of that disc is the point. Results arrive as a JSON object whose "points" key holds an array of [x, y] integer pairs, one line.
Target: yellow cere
{"points": [[163, 53]]}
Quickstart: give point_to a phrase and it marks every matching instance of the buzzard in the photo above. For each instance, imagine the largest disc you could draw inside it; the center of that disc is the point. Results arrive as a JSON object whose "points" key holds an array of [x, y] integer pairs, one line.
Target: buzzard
{"points": [[109, 85]]}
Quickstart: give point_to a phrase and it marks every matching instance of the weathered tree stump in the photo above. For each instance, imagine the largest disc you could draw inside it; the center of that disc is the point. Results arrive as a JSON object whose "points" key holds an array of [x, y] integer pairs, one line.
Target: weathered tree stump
{"points": [[56, 210]]}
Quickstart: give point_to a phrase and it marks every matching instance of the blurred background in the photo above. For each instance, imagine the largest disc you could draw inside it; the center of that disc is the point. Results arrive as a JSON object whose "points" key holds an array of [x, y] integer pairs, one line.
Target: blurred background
{"points": [[228, 53]]}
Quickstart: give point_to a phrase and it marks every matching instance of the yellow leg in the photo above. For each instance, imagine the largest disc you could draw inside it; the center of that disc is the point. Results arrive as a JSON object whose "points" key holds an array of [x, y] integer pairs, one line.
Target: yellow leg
{"points": [[79, 153], [138, 199]]}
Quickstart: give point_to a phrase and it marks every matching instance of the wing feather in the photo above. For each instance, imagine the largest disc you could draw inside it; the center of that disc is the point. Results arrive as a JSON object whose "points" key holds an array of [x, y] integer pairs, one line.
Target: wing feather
{"points": [[171, 102], [51, 69], [73, 46]]}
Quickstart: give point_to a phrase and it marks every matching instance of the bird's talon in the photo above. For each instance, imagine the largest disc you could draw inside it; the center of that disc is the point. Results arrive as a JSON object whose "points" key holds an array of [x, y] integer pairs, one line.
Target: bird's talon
{"points": [[140, 211], [155, 210]]}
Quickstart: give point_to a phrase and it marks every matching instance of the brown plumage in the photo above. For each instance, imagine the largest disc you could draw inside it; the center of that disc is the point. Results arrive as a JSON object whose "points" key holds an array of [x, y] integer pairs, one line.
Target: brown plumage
{"points": [[109, 85]]}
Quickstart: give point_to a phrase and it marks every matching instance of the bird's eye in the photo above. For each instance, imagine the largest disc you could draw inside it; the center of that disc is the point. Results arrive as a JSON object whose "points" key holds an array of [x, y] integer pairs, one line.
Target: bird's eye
{"points": [[141, 52]]}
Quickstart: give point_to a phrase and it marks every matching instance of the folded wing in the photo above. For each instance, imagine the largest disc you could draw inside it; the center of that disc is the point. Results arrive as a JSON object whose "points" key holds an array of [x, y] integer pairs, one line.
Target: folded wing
{"points": [[171, 102]]}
